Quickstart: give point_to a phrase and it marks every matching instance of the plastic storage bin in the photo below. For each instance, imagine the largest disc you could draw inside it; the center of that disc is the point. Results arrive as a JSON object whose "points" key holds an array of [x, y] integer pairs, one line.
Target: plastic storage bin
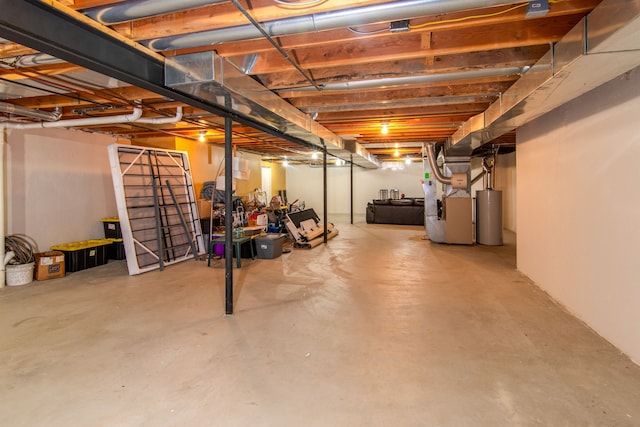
{"points": [[269, 246], [116, 250], [85, 254], [112, 228]]}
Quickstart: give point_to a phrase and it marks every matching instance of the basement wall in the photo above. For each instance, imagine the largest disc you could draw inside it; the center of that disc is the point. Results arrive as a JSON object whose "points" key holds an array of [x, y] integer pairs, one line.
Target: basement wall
{"points": [[505, 172], [305, 183], [58, 185], [59, 181], [578, 208]]}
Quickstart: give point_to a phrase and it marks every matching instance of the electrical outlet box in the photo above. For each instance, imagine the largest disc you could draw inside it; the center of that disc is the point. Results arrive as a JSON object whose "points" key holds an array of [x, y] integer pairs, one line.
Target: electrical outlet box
{"points": [[399, 26]]}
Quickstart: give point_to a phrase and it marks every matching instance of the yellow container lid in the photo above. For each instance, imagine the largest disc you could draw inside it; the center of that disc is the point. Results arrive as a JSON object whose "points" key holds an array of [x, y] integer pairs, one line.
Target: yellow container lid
{"points": [[111, 219], [84, 244]]}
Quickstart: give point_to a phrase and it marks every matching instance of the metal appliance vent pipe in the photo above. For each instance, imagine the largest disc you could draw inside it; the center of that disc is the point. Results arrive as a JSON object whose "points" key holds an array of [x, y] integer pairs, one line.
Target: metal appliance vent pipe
{"points": [[431, 155], [458, 181], [386, 12]]}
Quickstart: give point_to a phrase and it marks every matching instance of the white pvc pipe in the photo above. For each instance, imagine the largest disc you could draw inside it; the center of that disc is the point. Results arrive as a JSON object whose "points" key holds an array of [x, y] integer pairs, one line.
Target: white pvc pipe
{"points": [[162, 120], [137, 113], [3, 173]]}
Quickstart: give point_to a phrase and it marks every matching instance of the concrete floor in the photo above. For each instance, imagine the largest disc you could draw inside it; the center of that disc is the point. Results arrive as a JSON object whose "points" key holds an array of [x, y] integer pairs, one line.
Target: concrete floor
{"points": [[379, 328]]}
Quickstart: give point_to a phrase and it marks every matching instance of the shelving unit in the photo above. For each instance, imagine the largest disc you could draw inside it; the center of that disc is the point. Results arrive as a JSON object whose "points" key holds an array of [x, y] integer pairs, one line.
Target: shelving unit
{"points": [[156, 206]]}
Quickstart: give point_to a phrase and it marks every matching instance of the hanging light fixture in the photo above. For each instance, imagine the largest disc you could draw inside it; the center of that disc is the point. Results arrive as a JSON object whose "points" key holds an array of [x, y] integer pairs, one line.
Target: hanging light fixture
{"points": [[385, 128], [285, 162], [201, 136], [314, 155], [407, 161]]}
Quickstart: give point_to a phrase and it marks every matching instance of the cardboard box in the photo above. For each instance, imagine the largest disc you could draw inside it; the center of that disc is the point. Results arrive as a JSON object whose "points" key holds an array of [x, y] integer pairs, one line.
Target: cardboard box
{"points": [[204, 208], [49, 265]]}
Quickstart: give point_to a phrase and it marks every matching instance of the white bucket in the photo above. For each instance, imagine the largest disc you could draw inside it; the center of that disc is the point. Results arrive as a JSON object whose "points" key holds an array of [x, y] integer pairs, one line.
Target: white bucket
{"points": [[19, 274]]}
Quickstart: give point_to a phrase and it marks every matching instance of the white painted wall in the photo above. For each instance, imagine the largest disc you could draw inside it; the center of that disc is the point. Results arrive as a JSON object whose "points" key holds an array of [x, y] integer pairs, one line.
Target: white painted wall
{"points": [[505, 173], [305, 183], [58, 185], [578, 208]]}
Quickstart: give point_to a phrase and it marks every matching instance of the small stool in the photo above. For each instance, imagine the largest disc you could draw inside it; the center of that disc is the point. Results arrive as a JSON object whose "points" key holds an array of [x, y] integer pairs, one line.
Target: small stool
{"points": [[237, 243]]}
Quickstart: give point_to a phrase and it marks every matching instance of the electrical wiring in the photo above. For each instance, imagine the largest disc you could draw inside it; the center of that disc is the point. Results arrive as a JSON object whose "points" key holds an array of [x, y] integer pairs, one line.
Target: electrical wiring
{"points": [[467, 18], [485, 15], [367, 33], [23, 246], [449, 21]]}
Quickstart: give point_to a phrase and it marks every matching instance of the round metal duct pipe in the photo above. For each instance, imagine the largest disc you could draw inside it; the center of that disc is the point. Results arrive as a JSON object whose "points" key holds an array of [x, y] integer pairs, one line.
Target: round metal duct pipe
{"points": [[386, 12], [409, 80], [138, 9]]}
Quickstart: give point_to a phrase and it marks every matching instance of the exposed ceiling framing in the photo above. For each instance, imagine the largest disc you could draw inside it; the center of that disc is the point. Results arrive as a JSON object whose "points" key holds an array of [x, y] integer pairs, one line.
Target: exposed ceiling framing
{"points": [[423, 76]]}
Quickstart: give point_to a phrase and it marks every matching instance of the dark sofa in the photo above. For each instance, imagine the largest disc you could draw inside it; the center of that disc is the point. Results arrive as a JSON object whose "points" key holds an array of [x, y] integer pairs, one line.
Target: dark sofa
{"points": [[396, 211]]}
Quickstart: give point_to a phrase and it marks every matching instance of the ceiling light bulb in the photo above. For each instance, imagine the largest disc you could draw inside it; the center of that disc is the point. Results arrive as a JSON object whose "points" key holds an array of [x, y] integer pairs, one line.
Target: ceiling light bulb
{"points": [[407, 161], [285, 163], [385, 129], [201, 136], [397, 153], [314, 155]]}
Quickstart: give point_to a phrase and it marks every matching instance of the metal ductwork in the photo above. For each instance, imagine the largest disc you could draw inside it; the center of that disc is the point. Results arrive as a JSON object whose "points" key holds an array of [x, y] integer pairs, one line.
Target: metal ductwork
{"points": [[411, 80], [214, 79], [602, 46], [137, 9], [392, 11], [29, 112]]}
